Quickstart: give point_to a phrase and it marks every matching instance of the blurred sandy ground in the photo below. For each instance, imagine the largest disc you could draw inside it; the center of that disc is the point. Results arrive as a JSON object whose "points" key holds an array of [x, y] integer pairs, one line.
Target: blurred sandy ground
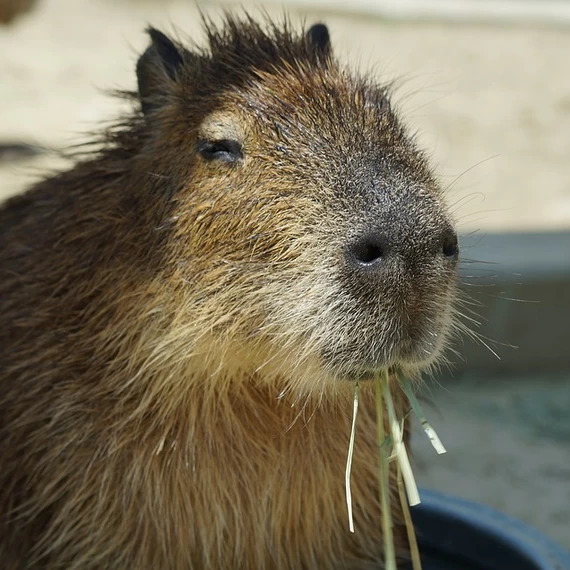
{"points": [[492, 105]]}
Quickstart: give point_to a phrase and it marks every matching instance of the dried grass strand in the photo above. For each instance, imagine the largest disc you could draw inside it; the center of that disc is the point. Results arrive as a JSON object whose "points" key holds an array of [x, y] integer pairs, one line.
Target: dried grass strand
{"points": [[349, 459], [430, 432], [399, 446], [387, 533], [412, 541]]}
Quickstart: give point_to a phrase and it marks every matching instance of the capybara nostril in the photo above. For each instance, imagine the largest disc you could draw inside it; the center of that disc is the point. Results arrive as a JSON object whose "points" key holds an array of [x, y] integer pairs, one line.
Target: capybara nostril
{"points": [[450, 245], [368, 250]]}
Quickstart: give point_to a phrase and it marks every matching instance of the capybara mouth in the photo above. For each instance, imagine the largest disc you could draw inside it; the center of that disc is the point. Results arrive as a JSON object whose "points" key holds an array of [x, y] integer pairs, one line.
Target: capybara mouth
{"points": [[365, 360], [369, 375]]}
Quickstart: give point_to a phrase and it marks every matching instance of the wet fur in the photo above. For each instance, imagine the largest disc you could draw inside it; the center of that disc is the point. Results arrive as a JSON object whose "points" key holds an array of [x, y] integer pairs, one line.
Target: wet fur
{"points": [[167, 401]]}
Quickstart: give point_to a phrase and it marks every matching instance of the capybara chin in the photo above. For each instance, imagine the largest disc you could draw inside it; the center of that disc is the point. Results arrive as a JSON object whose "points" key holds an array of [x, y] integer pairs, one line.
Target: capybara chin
{"points": [[183, 315]]}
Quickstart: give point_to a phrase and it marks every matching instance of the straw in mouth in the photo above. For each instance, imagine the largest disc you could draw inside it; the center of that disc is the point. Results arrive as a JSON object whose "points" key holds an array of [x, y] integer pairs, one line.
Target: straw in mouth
{"points": [[392, 447]]}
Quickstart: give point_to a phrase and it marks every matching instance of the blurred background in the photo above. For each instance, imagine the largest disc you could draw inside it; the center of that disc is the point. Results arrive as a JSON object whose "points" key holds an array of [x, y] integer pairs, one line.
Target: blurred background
{"points": [[487, 86]]}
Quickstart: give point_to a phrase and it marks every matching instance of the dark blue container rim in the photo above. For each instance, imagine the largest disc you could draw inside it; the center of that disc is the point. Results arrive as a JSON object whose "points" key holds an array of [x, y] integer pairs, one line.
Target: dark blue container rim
{"points": [[454, 533]]}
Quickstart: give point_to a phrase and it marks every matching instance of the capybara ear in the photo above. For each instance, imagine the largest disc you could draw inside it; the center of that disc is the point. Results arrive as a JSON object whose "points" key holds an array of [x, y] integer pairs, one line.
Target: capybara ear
{"points": [[157, 68], [318, 36]]}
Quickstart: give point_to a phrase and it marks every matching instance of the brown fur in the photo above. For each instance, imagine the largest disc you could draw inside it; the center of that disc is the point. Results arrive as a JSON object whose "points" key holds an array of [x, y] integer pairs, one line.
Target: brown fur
{"points": [[176, 334]]}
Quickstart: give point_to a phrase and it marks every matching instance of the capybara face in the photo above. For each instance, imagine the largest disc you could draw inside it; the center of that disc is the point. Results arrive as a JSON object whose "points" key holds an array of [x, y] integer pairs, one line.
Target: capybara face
{"points": [[303, 217]]}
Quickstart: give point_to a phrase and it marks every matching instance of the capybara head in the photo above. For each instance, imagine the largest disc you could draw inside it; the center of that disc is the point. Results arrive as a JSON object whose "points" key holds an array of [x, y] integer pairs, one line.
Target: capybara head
{"points": [[308, 233]]}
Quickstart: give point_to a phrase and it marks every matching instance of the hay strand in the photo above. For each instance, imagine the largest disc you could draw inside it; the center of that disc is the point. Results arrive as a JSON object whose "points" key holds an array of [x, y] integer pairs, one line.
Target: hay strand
{"points": [[411, 532], [349, 459], [389, 551], [430, 432], [399, 446]]}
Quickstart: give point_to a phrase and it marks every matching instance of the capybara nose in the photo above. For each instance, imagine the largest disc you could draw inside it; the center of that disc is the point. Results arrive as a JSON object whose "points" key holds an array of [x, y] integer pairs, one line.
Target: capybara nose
{"points": [[372, 254]]}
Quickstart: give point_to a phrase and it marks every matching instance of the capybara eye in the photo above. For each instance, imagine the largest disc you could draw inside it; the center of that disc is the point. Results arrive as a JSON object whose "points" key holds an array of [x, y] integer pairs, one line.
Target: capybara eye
{"points": [[225, 150]]}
